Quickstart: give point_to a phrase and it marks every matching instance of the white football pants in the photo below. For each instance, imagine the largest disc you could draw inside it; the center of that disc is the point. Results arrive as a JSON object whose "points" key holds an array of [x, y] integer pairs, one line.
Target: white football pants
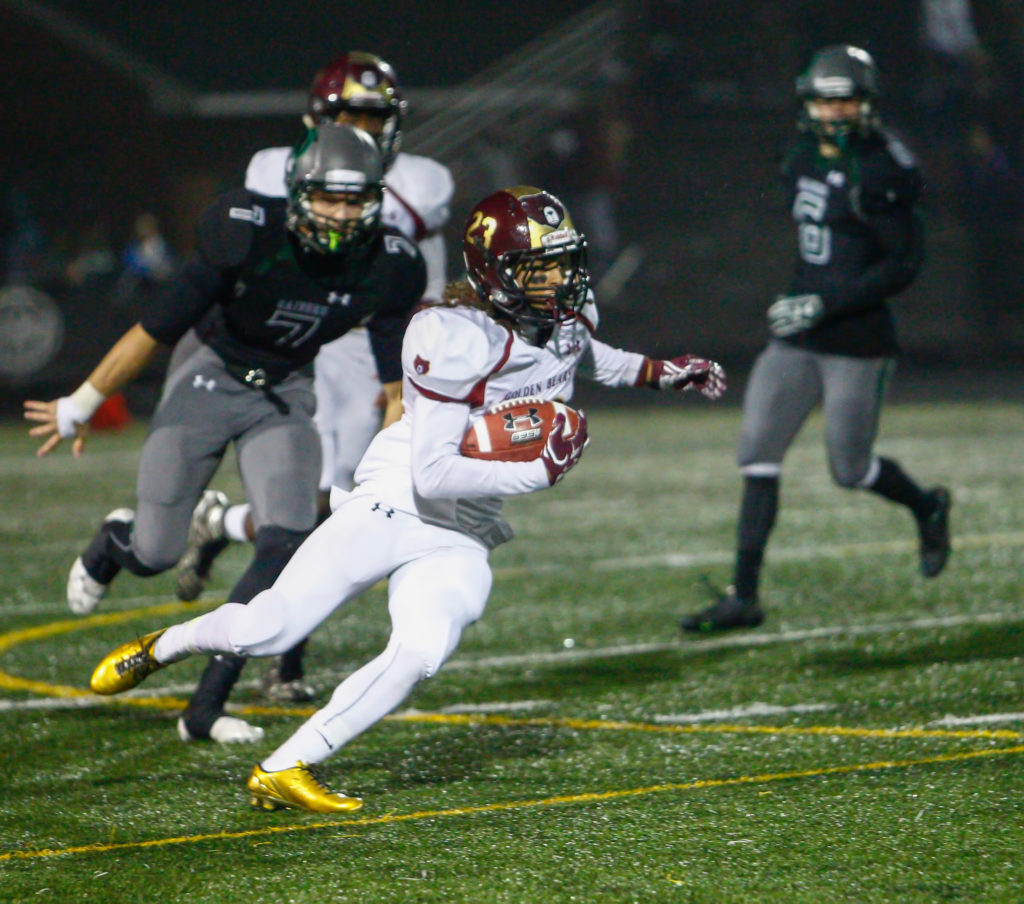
{"points": [[439, 583]]}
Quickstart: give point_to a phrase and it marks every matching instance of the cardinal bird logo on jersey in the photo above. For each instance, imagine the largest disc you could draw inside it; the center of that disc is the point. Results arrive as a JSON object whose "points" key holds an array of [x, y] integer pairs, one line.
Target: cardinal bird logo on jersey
{"points": [[420, 365]]}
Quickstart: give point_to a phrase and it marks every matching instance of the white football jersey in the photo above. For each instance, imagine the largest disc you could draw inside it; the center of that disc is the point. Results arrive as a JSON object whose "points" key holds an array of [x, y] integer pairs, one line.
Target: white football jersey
{"points": [[419, 192], [456, 362]]}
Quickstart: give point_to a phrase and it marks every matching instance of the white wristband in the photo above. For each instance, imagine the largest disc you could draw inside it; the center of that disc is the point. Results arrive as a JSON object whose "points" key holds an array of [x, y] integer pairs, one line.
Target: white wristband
{"points": [[77, 408], [87, 399]]}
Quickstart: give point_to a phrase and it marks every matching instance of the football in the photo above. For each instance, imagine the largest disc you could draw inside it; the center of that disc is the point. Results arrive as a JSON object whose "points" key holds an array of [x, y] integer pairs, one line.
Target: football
{"points": [[515, 430]]}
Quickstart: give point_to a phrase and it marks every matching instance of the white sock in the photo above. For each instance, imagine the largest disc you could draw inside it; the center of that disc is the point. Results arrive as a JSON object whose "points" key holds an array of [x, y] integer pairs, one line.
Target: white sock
{"points": [[234, 522], [204, 634], [361, 700], [307, 745]]}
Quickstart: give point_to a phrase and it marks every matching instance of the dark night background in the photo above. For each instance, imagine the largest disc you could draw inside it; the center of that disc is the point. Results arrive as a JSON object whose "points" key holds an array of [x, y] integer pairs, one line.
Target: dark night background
{"points": [[111, 109]]}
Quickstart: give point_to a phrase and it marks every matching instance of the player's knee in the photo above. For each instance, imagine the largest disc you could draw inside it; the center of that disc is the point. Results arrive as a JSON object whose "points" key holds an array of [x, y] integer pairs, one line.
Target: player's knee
{"points": [[850, 475], [275, 546], [261, 627]]}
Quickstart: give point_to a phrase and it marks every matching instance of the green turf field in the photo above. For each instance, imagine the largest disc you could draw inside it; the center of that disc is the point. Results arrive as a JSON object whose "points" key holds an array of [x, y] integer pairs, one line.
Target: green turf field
{"points": [[866, 744]]}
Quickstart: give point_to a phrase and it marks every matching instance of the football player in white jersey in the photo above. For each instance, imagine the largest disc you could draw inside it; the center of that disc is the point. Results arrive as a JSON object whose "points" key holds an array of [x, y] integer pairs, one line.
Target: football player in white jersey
{"points": [[362, 90], [421, 514]]}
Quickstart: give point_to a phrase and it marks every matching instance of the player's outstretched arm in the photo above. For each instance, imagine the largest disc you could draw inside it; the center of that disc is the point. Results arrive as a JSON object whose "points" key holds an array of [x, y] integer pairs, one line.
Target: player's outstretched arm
{"points": [[69, 415]]}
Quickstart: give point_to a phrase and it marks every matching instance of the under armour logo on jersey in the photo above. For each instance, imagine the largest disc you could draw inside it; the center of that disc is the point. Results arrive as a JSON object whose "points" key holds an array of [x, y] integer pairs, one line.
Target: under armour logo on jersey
{"points": [[378, 507], [420, 365], [255, 214], [398, 244], [337, 298], [200, 382]]}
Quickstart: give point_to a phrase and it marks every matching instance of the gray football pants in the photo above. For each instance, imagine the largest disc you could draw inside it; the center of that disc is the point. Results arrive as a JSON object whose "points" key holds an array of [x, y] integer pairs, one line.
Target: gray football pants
{"points": [[203, 410], [785, 385]]}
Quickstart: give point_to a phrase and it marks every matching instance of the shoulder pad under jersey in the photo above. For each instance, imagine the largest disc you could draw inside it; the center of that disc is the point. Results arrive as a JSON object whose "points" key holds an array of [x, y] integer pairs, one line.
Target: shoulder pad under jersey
{"points": [[425, 185], [228, 228], [889, 174], [266, 171], [448, 350]]}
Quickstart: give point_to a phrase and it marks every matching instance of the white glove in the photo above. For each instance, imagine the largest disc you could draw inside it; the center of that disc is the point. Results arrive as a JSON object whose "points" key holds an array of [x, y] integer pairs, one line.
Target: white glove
{"points": [[794, 314], [69, 415]]}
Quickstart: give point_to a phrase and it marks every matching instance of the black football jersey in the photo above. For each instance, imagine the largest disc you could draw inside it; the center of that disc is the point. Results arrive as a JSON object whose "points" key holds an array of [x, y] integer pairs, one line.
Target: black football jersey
{"points": [[859, 238], [260, 299]]}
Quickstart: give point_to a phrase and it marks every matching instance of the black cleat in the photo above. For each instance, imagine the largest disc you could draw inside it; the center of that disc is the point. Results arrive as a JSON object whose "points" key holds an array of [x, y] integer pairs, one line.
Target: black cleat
{"points": [[934, 532], [727, 612]]}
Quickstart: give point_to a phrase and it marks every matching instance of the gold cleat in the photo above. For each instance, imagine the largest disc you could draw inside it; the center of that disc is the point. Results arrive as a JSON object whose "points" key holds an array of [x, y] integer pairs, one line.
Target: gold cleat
{"points": [[296, 787], [126, 665]]}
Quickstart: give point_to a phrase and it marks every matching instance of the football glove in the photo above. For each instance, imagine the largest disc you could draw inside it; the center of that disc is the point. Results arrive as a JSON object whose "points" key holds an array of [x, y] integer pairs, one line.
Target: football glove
{"points": [[683, 373], [794, 313], [562, 452]]}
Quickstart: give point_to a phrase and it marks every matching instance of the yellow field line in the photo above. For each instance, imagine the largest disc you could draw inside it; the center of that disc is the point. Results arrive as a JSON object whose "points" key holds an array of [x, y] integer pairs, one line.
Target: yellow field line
{"points": [[41, 632], [508, 806]]}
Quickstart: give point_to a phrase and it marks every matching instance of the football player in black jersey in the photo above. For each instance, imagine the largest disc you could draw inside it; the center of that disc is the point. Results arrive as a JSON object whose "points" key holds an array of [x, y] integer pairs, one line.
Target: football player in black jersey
{"points": [[271, 281], [853, 188]]}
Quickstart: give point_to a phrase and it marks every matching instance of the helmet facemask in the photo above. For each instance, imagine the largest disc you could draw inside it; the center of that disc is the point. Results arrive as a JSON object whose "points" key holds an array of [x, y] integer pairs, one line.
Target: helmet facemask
{"points": [[839, 73], [327, 234], [539, 288]]}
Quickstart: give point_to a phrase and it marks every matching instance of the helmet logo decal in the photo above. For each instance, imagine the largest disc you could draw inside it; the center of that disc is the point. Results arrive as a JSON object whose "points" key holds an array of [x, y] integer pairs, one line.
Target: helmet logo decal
{"points": [[421, 365], [552, 216], [368, 78]]}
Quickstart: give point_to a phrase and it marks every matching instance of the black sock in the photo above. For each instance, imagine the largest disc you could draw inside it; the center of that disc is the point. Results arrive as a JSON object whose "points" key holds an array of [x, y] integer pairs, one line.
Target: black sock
{"points": [[291, 662], [757, 518], [110, 550], [212, 692], [892, 483]]}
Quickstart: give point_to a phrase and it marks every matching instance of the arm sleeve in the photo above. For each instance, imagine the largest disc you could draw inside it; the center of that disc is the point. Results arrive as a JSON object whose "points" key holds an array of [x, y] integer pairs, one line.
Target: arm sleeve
{"points": [[610, 366], [439, 471], [888, 208], [386, 342], [182, 301], [900, 235], [435, 256]]}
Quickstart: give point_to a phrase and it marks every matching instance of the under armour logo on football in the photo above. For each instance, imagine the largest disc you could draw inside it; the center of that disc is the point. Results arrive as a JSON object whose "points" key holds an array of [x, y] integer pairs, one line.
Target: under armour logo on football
{"points": [[378, 507], [512, 420], [200, 382]]}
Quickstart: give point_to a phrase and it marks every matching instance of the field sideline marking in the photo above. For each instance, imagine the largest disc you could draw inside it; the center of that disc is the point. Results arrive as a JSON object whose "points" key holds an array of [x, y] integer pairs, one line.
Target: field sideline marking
{"points": [[583, 798]]}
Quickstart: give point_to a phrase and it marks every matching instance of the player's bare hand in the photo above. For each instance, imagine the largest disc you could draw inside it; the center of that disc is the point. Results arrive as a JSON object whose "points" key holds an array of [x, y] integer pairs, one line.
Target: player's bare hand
{"points": [[56, 422]]}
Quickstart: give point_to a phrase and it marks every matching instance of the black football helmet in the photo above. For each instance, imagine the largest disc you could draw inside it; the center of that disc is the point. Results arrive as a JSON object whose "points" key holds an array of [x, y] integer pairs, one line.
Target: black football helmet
{"points": [[359, 82], [335, 159], [512, 242], [839, 71]]}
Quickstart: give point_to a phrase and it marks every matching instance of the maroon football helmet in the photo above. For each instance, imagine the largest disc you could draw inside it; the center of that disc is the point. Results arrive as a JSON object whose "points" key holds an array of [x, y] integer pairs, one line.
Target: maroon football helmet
{"points": [[358, 82], [525, 258]]}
